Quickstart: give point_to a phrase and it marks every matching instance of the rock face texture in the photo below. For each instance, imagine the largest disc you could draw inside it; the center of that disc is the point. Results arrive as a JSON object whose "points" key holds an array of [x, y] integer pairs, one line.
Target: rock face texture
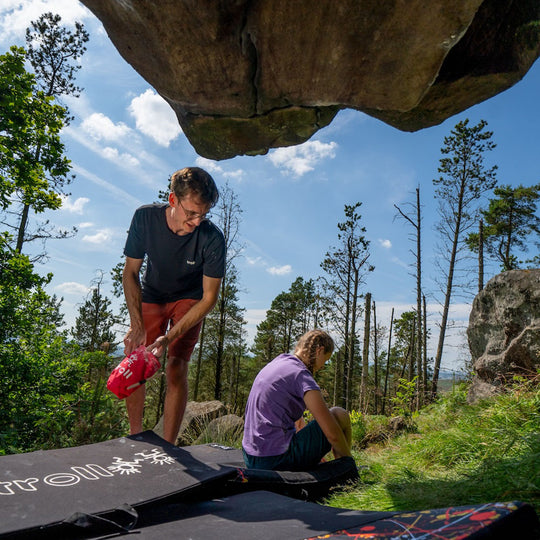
{"points": [[504, 330], [244, 76]]}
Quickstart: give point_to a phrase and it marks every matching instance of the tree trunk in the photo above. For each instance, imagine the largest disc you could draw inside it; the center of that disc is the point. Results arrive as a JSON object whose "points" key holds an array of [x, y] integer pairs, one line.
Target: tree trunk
{"points": [[220, 343], [352, 339], [448, 295], [480, 255], [424, 347], [385, 392], [365, 357], [199, 362], [375, 362], [419, 380]]}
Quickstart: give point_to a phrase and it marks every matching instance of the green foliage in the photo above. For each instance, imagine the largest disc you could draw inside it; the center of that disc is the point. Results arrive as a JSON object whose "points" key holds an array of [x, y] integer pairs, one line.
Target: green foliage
{"points": [[33, 167], [53, 51], [358, 428], [29, 119], [93, 325], [461, 454], [509, 221], [50, 393], [291, 314], [402, 402]]}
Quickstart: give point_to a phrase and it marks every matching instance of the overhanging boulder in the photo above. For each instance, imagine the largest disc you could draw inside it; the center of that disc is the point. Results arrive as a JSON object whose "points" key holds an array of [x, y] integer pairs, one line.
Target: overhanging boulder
{"points": [[246, 76]]}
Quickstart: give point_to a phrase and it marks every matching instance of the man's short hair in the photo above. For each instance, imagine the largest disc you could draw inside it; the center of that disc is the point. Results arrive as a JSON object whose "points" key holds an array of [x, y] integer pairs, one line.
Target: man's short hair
{"points": [[195, 181]]}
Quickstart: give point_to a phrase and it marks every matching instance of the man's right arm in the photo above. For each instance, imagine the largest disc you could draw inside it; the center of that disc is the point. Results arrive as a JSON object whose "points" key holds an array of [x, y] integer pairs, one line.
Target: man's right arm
{"points": [[135, 336]]}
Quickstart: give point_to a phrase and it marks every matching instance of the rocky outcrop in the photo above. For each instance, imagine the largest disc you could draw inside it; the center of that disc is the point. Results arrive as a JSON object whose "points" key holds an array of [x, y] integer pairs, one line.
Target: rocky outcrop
{"points": [[227, 428], [196, 417], [504, 330], [246, 76]]}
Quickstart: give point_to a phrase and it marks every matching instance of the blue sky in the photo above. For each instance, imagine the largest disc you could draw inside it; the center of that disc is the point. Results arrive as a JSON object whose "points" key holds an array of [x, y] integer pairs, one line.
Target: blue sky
{"points": [[125, 141]]}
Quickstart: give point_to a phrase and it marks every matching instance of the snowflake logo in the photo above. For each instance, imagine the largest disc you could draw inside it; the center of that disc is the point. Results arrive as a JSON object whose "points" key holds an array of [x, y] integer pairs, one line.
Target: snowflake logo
{"points": [[124, 467], [156, 457]]}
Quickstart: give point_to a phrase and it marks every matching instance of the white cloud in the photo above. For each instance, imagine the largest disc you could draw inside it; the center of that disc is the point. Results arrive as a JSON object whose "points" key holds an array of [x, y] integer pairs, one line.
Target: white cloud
{"points": [[385, 243], [85, 225], [76, 206], [112, 154], [72, 287], [101, 237], [253, 317], [119, 194], [302, 159], [254, 261], [212, 167], [280, 270], [154, 117], [101, 127], [209, 164], [399, 262], [235, 175], [15, 15]]}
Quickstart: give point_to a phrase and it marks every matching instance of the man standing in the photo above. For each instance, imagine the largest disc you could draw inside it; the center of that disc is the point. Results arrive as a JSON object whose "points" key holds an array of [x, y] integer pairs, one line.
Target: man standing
{"points": [[185, 265]]}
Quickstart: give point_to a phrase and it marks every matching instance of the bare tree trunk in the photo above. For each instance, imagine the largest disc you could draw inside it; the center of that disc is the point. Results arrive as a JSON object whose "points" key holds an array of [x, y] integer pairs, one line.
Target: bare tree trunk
{"points": [[480, 255], [424, 347], [375, 361], [419, 384], [352, 336], [221, 341], [385, 393], [446, 309], [408, 361], [344, 373], [199, 362], [364, 402]]}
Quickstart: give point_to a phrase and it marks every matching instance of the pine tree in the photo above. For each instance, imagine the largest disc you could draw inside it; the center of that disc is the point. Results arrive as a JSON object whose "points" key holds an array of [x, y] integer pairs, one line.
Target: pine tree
{"points": [[509, 221], [346, 266], [93, 328], [464, 178]]}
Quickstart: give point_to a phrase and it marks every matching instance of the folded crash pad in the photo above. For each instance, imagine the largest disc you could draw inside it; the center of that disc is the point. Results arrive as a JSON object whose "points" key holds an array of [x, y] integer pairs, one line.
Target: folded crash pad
{"points": [[42, 489]]}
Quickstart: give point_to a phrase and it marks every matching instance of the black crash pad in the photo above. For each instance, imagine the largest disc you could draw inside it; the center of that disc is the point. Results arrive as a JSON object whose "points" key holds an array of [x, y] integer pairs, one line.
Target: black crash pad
{"points": [[310, 485], [43, 488], [258, 514], [271, 516]]}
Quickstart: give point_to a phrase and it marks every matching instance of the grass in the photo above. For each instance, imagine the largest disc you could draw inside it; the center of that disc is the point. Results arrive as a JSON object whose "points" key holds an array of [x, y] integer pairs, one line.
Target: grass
{"points": [[453, 454], [457, 454]]}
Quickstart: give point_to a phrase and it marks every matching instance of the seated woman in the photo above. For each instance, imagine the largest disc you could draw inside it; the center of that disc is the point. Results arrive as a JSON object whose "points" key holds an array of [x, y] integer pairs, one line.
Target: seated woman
{"points": [[280, 394]]}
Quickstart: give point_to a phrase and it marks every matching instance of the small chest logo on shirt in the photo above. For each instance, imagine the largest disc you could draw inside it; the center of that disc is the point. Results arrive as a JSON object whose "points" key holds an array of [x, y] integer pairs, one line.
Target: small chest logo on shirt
{"points": [[190, 262]]}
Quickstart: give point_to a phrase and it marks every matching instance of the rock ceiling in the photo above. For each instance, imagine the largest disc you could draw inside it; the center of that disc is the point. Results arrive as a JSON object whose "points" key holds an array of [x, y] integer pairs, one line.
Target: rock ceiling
{"points": [[244, 76]]}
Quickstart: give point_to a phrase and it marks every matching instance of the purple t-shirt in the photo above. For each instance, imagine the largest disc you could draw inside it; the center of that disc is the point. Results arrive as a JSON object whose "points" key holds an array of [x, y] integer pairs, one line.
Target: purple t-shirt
{"points": [[274, 404]]}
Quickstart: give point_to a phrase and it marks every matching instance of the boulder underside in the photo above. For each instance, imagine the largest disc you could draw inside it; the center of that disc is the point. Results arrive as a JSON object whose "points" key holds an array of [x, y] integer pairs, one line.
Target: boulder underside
{"points": [[246, 76]]}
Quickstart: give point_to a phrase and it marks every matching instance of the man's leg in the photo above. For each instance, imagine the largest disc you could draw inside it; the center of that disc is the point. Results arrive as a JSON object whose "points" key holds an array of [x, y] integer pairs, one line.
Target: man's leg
{"points": [[178, 355], [175, 398], [135, 410], [155, 324]]}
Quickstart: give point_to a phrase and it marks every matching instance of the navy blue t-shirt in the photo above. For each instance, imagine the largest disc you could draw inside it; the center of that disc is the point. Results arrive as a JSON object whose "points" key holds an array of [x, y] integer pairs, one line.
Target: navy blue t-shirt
{"points": [[175, 264]]}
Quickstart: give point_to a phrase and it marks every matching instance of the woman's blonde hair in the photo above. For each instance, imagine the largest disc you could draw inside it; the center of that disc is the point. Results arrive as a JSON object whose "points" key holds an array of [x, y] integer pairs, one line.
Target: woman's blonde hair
{"points": [[308, 344]]}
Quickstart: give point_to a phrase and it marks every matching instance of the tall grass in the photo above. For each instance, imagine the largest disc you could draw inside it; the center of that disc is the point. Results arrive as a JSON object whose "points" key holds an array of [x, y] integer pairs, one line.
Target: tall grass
{"points": [[458, 454]]}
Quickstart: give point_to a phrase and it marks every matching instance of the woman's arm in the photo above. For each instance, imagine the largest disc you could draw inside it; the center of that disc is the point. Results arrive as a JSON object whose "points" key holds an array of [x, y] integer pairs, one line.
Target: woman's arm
{"points": [[327, 422]]}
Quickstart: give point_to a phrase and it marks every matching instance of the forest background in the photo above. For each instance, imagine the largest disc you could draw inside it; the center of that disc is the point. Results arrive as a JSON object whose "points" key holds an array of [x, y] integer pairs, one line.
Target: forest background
{"points": [[344, 232]]}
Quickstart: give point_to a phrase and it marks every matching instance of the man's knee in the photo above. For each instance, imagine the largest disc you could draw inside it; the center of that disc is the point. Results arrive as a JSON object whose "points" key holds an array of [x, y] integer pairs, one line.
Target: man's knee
{"points": [[177, 371]]}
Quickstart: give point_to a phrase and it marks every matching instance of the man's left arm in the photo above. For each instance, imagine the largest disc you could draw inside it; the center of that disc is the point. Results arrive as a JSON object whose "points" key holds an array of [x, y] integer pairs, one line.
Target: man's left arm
{"points": [[196, 314]]}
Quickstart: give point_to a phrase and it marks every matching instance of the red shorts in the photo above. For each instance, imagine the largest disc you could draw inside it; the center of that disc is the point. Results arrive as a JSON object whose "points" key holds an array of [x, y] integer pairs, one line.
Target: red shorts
{"points": [[158, 317]]}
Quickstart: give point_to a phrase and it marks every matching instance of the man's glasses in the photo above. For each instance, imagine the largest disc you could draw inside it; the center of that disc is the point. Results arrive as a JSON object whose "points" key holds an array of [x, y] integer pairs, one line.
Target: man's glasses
{"points": [[190, 214]]}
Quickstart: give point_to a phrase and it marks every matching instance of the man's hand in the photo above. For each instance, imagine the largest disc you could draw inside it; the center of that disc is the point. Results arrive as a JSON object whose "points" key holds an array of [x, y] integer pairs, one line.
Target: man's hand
{"points": [[134, 338], [158, 347]]}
